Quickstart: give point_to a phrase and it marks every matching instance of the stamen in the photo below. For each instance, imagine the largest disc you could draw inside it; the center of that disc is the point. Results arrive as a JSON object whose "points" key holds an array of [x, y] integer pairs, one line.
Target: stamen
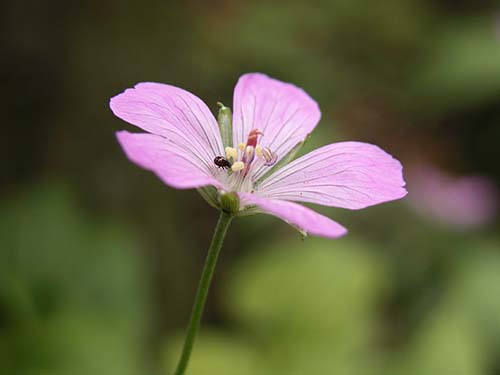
{"points": [[249, 154], [269, 156], [231, 153], [258, 151], [241, 159], [238, 166]]}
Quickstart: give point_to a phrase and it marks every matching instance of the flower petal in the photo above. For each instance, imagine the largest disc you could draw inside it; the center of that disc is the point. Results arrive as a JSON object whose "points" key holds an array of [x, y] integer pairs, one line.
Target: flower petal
{"points": [[173, 113], [351, 175], [284, 112], [296, 215], [169, 162]]}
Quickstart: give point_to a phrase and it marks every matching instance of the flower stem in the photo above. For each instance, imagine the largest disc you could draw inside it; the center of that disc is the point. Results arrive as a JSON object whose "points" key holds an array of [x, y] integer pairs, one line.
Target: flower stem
{"points": [[203, 287]]}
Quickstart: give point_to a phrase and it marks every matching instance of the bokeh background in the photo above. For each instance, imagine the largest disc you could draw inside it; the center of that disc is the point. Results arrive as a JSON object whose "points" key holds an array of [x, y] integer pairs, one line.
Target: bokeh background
{"points": [[99, 260]]}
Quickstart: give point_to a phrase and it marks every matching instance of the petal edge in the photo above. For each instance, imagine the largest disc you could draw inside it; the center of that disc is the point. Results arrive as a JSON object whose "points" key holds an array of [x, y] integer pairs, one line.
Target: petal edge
{"points": [[351, 175], [284, 112], [154, 153], [173, 113], [295, 214]]}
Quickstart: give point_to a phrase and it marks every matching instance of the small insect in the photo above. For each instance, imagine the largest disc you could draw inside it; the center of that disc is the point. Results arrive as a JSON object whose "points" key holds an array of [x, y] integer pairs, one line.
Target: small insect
{"points": [[222, 162]]}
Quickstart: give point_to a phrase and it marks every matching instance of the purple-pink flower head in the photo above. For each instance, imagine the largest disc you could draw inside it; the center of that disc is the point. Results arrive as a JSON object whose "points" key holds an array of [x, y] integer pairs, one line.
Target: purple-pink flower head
{"points": [[464, 202], [183, 146]]}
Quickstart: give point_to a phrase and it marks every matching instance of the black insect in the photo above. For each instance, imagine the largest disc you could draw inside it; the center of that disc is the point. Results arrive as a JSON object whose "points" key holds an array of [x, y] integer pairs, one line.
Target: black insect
{"points": [[222, 162]]}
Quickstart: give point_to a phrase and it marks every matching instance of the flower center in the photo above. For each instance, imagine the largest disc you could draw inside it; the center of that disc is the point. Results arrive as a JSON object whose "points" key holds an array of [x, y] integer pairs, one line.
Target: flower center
{"points": [[240, 161]]}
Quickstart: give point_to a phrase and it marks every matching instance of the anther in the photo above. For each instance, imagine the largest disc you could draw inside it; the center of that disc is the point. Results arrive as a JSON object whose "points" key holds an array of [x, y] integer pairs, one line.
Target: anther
{"points": [[258, 151], [238, 166], [249, 154], [269, 156], [231, 153], [241, 146]]}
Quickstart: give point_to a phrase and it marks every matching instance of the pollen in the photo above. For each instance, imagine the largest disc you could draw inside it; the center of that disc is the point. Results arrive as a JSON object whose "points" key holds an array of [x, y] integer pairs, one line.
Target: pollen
{"points": [[241, 146], [231, 153], [238, 166], [258, 151]]}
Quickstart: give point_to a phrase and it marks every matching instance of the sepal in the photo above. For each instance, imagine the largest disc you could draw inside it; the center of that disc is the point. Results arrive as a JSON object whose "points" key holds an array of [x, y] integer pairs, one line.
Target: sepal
{"points": [[210, 194], [229, 202]]}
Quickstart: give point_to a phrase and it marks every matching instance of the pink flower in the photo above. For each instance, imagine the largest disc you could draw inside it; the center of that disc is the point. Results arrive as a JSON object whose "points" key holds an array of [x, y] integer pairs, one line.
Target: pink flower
{"points": [[184, 148], [466, 202]]}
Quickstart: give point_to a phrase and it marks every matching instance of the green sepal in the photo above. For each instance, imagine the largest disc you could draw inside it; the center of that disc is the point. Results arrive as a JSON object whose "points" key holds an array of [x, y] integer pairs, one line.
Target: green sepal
{"points": [[284, 161], [302, 232], [249, 211], [210, 194], [225, 120], [229, 202]]}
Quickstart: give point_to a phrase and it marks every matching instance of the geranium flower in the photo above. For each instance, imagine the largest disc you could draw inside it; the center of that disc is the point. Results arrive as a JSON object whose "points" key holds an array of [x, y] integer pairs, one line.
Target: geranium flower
{"points": [[462, 202], [184, 148]]}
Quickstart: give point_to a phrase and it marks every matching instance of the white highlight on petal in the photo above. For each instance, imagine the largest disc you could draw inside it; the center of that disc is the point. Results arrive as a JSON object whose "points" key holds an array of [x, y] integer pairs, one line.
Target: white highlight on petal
{"points": [[231, 152], [238, 166]]}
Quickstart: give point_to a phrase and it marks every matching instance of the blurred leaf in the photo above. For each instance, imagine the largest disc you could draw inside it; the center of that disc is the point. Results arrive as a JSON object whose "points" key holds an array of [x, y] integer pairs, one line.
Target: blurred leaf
{"points": [[476, 285], [267, 285], [71, 295], [216, 353], [463, 67], [446, 343], [308, 307]]}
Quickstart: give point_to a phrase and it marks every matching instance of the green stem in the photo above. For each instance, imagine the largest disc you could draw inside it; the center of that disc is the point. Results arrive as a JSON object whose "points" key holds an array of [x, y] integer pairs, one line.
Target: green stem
{"points": [[203, 286]]}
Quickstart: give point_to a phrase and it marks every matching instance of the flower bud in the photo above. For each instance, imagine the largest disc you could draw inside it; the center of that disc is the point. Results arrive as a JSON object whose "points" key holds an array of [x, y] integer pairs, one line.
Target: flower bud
{"points": [[225, 120]]}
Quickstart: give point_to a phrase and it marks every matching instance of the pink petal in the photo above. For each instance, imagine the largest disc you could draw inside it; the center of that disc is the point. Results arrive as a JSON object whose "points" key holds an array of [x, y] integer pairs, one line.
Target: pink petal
{"points": [[297, 215], [351, 175], [175, 114], [284, 112], [169, 162]]}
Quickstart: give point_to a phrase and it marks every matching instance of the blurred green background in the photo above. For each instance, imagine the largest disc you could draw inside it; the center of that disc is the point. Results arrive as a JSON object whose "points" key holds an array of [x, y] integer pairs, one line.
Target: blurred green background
{"points": [[99, 260]]}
